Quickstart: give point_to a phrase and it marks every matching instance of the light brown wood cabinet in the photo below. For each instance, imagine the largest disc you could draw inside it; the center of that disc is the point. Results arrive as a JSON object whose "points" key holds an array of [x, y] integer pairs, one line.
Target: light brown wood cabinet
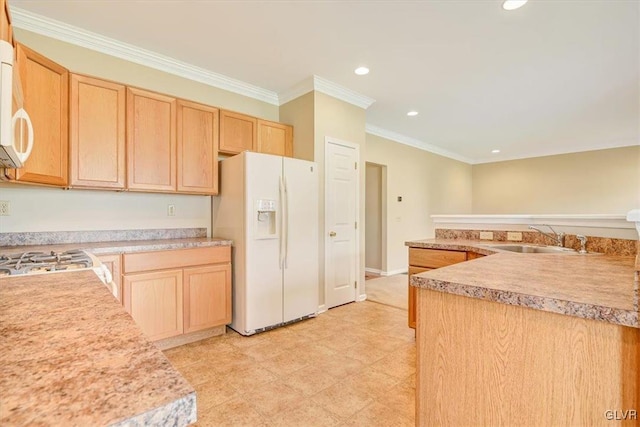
{"points": [[275, 138], [170, 293], [421, 260], [114, 264], [96, 133], [197, 155], [45, 89], [154, 300], [238, 132], [151, 141], [207, 297], [6, 31]]}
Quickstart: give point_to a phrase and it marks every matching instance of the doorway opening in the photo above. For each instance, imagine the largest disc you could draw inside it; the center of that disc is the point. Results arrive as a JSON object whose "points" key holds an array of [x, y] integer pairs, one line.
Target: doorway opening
{"points": [[375, 220]]}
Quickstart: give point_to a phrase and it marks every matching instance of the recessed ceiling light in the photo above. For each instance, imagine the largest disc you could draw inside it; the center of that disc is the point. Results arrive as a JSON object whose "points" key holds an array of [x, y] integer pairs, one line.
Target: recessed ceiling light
{"points": [[361, 71], [412, 113], [495, 151], [513, 4]]}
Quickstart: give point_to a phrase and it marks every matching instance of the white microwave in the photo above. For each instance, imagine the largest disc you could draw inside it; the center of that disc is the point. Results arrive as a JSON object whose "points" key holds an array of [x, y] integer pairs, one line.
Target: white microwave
{"points": [[15, 145]]}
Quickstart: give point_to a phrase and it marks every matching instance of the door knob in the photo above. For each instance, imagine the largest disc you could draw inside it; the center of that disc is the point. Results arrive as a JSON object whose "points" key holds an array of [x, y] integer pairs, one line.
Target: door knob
{"points": [[332, 234]]}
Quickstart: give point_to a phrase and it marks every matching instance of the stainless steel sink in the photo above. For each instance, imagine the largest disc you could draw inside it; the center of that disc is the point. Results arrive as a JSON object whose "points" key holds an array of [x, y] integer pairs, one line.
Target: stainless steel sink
{"points": [[533, 249]]}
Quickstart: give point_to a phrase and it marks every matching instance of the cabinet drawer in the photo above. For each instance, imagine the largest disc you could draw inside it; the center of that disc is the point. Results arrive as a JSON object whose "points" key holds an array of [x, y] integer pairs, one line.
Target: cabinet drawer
{"points": [[160, 260], [434, 258]]}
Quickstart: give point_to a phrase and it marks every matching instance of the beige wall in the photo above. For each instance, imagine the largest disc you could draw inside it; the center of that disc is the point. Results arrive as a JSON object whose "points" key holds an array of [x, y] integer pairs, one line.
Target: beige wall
{"points": [[338, 119], [42, 208], [428, 183], [373, 217], [53, 209], [299, 114], [596, 182]]}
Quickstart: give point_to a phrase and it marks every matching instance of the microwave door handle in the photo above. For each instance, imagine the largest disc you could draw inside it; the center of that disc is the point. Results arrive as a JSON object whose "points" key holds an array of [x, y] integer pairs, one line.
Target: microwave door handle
{"points": [[21, 114]]}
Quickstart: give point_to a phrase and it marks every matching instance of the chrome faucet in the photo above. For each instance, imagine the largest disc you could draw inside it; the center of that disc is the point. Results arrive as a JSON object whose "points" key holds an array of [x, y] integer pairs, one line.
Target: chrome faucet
{"points": [[557, 237]]}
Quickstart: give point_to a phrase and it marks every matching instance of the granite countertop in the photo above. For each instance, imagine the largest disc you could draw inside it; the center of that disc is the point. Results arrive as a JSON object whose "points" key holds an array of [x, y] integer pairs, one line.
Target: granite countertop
{"points": [[71, 355], [123, 246], [599, 287]]}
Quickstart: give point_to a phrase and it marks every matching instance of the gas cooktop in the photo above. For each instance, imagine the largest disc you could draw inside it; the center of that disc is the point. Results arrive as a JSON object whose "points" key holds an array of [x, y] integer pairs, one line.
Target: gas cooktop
{"points": [[43, 262]]}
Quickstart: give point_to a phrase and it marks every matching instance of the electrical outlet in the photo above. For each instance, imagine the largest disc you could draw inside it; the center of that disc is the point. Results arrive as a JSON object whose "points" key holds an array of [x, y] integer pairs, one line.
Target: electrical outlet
{"points": [[4, 208], [171, 210], [514, 236], [486, 235]]}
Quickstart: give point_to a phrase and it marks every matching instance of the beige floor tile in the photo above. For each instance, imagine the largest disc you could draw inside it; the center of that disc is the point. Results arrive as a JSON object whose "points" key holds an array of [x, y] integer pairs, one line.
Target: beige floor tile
{"points": [[310, 380], [286, 362], [375, 383], [341, 366], [263, 351], [365, 352], [402, 399], [342, 400], [396, 364], [274, 397], [340, 341], [376, 414], [200, 373], [234, 413], [308, 415], [246, 379], [213, 393]]}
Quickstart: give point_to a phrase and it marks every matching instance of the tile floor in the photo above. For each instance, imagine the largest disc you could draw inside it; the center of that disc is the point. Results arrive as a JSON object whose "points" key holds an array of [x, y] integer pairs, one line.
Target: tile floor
{"points": [[351, 366]]}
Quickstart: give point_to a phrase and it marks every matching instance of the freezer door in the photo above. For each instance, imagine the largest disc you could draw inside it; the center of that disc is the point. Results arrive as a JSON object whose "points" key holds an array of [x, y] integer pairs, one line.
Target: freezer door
{"points": [[301, 286], [263, 285]]}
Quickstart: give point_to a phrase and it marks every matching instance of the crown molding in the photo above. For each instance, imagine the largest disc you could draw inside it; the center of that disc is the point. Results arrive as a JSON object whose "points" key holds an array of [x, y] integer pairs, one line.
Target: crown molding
{"points": [[70, 34], [327, 87], [412, 142], [296, 91], [342, 93]]}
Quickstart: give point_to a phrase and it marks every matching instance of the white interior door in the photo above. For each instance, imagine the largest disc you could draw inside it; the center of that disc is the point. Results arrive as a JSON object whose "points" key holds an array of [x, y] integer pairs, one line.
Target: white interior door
{"points": [[341, 215]]}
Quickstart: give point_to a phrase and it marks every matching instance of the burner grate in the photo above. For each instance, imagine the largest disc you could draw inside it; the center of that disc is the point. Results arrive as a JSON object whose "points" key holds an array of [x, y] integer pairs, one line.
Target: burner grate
{"points": [[43, 262]]}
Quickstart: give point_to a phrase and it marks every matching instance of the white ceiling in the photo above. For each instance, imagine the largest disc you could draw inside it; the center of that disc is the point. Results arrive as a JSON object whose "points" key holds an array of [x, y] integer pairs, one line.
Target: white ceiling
{"points": [[552, 77]]}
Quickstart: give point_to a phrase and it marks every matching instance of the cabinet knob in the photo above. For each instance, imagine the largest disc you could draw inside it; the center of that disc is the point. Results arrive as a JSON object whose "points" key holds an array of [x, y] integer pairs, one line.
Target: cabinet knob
{"points": [[332, 234]]}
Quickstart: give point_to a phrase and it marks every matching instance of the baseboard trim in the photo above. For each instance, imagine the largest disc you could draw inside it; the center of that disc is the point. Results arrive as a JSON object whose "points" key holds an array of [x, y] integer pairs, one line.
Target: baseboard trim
{"points": [[322, 308], [361, 298], [373, 271], [394, 272]]}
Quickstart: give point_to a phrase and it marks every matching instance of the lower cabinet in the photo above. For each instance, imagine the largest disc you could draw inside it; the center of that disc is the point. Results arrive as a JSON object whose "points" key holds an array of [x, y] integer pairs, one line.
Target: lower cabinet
{"points": [[421, 260], [192, 294]]}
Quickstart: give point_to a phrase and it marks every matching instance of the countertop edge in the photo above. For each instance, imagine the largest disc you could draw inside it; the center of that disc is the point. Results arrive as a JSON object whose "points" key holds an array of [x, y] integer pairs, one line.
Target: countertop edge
{"points": [[553, 305], [180, 412]]}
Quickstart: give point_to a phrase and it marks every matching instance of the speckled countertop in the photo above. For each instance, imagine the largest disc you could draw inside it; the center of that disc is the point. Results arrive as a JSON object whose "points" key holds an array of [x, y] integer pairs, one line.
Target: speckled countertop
{"points": [[599, 287], [123, 246], [70, 355]]}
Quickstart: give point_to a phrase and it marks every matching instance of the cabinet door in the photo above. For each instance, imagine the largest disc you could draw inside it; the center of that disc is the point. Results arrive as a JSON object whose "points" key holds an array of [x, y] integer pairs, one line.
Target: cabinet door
{"points": [[112, 262], [6, 32], [154, 300], [151, 141], [413, 295], [275, 138], [207, 297], [96, 126], [45, 88], [238, 132], [197, 148]]}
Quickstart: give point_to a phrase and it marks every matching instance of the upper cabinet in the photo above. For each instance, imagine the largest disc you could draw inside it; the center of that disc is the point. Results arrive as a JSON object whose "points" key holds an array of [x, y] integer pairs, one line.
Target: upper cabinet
{"points": [[197, 148], [238, 132], [151, 141], [6, 33], [275, 138], [46, 96], [97, 133]]}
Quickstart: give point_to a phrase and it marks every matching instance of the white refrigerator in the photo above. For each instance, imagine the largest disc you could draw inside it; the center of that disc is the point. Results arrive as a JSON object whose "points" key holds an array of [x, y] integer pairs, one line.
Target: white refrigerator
{"points": [[268, 206]]}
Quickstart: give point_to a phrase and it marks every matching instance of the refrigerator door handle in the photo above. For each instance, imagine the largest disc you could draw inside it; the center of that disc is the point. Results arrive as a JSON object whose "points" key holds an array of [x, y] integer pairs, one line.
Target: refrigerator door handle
{"points": [[281, 189], [285, 229]]}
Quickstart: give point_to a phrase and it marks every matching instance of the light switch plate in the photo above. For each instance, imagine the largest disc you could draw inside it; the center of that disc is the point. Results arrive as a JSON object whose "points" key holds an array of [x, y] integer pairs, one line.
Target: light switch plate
{"points": [[486, 235], [514, 236]]}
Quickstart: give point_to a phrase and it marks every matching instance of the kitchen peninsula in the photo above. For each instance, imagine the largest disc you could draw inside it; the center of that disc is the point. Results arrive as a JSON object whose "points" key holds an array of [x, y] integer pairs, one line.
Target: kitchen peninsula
{"points": [[527, 339]]}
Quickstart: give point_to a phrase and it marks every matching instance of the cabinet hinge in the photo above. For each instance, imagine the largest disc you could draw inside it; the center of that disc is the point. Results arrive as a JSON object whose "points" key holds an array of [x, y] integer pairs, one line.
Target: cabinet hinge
{"points": [[356, 225], [355, 285], [356, 165]]}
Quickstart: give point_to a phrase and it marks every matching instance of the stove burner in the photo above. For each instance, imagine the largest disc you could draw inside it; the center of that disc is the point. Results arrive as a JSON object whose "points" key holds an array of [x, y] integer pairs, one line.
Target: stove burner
{"points": [[42, 262]]}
